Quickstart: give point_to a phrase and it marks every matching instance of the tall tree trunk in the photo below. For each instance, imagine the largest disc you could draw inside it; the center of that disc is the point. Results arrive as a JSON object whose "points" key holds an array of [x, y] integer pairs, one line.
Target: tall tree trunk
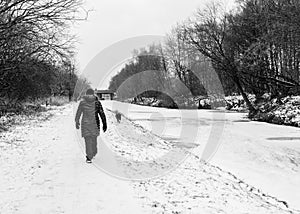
{"points": [[244, 95]]}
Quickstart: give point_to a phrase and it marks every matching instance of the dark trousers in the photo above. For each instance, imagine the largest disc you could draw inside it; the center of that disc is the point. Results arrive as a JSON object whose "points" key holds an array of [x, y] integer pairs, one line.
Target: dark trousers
{"points": [[90, 146]]}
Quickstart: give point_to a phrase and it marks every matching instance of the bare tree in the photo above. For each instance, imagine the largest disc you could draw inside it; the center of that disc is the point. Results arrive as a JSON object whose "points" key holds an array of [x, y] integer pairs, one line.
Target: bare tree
{"points": [[208, 33], [35, 30]]}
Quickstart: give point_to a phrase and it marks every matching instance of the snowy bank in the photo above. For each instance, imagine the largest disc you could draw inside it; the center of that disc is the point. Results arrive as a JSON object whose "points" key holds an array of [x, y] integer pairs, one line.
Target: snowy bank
{"points": [[193, 186], [283, 112]]}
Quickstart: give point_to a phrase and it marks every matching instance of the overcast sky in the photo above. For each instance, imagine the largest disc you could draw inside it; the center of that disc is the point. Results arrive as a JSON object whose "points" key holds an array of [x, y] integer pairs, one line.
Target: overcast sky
{"points": [[115, 20]]}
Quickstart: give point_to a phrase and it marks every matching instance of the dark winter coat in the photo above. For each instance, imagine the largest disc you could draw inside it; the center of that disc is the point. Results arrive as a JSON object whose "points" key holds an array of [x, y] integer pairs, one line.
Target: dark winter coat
{"points": [[90, 108]]}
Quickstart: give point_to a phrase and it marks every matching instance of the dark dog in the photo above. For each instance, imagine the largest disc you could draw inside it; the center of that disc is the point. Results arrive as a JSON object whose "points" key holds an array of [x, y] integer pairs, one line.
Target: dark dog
{"points": [[118, 116]]}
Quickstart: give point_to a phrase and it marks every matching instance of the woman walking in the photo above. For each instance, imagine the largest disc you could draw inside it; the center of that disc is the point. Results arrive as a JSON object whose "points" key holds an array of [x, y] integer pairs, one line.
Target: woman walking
{"points": [[90, 108]]}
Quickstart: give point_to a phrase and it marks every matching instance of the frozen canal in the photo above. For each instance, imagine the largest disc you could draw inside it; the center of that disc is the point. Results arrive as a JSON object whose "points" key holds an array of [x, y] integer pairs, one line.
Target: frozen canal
{"points": [[264, 155]]}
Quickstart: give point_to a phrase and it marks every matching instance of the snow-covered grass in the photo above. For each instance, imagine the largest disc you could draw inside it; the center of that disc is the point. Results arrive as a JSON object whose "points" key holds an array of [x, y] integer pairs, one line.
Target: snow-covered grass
{"points": [[10, 120], [263, 155], [24, 151], [193, 186], [59, 100], [28, 111]]}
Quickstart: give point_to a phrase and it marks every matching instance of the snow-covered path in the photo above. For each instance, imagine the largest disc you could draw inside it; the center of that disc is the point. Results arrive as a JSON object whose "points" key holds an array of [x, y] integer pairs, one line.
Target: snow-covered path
{"points": [[43, 171], [49, 174]]}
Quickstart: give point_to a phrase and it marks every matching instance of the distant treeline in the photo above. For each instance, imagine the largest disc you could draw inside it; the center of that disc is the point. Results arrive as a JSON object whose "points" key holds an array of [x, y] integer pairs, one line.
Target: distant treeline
{"points": [[36, 57], [254, 48]]}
